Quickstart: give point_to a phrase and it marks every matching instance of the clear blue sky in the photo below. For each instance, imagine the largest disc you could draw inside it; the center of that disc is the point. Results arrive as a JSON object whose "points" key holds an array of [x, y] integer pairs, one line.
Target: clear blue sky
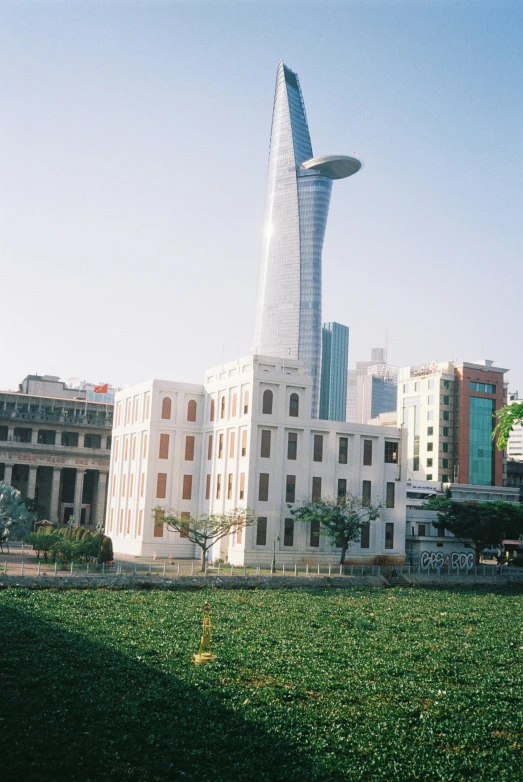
{"points": [[133, 151]]}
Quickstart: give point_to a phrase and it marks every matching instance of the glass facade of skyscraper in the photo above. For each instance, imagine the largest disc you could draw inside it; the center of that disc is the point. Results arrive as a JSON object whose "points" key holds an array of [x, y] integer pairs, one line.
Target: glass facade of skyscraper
{"points": [[481, 452], [288, 304], [334, 359]]}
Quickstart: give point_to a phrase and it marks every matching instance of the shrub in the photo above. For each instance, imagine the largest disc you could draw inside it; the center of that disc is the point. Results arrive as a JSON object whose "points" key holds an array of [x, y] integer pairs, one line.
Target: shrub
{"points": [[106, 550]]}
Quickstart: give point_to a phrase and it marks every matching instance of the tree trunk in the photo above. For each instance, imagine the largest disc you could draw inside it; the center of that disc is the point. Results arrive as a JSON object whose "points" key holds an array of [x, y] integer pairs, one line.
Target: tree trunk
{"points": [[202, 558], [478, 547], [343, 552]]}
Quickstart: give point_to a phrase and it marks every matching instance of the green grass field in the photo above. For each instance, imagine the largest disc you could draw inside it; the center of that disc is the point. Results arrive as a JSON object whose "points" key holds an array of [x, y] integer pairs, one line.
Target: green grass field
{"points": [[394, 685]]}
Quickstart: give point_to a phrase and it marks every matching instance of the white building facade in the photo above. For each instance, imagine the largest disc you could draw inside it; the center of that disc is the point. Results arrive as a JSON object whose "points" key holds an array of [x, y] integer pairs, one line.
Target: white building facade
{"points": [[246, 439]]}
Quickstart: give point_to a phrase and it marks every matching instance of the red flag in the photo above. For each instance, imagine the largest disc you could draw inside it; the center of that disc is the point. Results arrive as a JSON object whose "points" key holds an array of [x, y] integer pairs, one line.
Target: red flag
{"points": [[103, 389]]}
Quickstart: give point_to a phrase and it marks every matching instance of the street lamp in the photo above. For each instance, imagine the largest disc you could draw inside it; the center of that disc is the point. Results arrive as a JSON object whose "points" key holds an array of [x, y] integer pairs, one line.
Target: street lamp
{"points": [[273, 566]]}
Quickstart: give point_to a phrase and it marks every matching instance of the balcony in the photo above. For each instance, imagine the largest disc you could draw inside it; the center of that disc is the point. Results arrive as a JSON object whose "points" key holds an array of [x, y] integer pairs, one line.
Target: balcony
{"points": [[100, 422]]}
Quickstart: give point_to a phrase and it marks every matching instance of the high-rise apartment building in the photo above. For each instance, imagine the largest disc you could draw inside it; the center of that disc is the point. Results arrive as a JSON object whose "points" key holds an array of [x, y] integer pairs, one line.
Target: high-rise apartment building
{"points": [[334, 359], [448, 410], [515, 440], [288, 305]]}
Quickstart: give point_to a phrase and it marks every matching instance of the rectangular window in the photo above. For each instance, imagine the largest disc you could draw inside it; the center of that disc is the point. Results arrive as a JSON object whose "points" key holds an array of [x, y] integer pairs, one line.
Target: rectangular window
{"points": [[184, 515], [242, 485], [430, 399], [446, 384], [261, 531], [126, 449], [429, 476], [142, 485], [164, 446], [134, 448], [265, 450], [209, 447], [389, 502], [158, 524], [343, 450], [415, 464], [244, 442], [445, 431], [444, 478], [123, 485], [140, 522], [129, 521], [446, 400], [446, 415], [342, 488], [292, 446], [161, 485], [263, 490], [417, 386], [316, 488], [430, 384], [239, 532], [218, 486], [365, 535], [187, 487], [290, 489], [430, 415], [430, 431], [445, 463], [421, 530], [429, 462], [229, 486], [445, 447], [389, 535], [367, 453], [405, 388], [144, 452], [314, 539], [189, 448], [120, 526], [430, 446], [207, 487], [131, 485], [220, 446], [366, 492], [318, 448], [232, 438], [288, 532], [147, 406], [391, 453]]}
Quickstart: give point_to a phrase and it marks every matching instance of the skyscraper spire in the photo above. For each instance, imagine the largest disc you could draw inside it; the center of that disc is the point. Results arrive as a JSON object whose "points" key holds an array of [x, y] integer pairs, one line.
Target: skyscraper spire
{"points": [[288, 304]]}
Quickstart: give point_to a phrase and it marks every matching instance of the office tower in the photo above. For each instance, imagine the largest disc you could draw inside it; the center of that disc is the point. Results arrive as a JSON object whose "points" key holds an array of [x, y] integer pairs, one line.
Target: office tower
{"points": [[288, 304], [371, 388], [448, 410], [334, 358]]}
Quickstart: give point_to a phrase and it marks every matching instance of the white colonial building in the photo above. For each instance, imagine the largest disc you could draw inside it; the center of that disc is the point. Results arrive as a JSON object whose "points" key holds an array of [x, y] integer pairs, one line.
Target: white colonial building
{"points": [[245, 439]]}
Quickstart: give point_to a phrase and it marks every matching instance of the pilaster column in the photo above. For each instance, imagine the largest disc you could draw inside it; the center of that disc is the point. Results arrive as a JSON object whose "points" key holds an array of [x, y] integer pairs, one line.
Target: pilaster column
{"points": [[8, 475], [54, 512], [31, 483], [101, 495], [78, 489], [34, 435], [11, 433]]}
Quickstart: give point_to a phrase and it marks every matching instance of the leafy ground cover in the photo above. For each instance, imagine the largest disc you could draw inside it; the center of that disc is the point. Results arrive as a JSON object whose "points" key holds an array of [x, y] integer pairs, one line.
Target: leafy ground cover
{"points": [[395, 685]]}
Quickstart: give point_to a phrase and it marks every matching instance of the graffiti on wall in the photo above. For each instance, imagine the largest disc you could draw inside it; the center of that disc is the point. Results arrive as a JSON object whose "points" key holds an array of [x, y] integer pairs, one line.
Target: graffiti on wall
{"points": [[457, 560]]}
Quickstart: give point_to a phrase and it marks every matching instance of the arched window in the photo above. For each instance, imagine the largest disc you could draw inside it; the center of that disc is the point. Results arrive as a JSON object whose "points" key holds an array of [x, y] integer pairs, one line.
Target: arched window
{"points": [[294, 405], [246, 403], [222, 408], [166, 408], [191, 410], [267, 402], [211, 415], [234, 402]]}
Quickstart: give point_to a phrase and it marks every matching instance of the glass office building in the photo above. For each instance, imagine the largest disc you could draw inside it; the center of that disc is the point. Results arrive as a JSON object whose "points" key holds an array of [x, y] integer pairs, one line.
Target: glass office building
{"points": [[334, 360], [288, 304]]}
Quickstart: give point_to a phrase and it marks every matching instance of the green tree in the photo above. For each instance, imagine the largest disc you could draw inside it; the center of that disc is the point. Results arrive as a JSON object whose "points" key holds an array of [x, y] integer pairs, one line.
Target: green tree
{"points": [[207, 528], [340, 520], [508, 417], [480, 524], [15, 520]]}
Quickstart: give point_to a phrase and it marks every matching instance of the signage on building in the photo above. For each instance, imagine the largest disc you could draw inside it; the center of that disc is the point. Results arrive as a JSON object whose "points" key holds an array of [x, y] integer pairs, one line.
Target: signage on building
{"points": [[456, 560], [424, 369]]}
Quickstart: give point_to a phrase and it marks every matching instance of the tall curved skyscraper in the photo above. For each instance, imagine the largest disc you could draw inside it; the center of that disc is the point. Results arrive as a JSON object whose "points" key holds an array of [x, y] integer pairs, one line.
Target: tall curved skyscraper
{"points": [[288, 303]]}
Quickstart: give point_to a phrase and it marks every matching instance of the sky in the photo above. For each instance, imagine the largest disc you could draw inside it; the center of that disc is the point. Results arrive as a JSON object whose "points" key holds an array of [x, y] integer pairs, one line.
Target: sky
{"points": [[133, 157]]}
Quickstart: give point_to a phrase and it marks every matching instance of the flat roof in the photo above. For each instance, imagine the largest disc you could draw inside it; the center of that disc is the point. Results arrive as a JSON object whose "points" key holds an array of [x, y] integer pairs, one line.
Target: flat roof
{"points": [[333, 166]]}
